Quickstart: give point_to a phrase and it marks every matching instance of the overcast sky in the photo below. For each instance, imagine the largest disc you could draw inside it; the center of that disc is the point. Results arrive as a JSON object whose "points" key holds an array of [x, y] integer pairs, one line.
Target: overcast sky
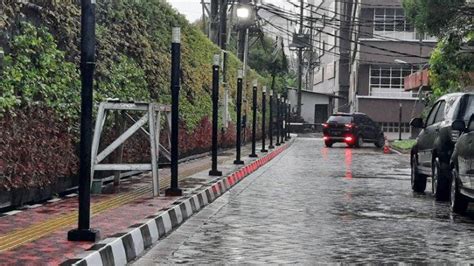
{"points": [[192, 8]]}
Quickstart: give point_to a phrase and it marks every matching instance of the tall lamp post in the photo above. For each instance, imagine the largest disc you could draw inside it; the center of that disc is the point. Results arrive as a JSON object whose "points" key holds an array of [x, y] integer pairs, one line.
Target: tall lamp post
{"points": [[84, 232], [174, 189], [215, 114], [270, 130]]}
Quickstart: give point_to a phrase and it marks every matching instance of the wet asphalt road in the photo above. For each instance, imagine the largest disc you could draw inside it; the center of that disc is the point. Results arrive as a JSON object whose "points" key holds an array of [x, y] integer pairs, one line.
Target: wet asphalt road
{"points": [[313, 204]]}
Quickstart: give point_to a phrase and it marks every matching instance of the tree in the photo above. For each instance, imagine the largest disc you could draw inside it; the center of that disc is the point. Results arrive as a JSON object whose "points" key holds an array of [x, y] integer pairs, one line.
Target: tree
{"points": [[452, 22], [434, 17]]}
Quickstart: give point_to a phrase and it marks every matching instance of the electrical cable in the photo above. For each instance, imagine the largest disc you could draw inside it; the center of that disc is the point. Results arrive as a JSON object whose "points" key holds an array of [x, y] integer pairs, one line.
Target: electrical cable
{"points": [[359, 43]]}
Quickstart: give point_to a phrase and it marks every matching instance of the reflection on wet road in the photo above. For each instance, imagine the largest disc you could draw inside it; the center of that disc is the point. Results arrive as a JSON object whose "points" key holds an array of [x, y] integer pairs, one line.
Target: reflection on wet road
{"points": [[314, 204]]}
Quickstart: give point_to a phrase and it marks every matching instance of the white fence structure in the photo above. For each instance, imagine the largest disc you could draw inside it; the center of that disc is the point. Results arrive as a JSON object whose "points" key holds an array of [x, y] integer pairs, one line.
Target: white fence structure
{"points": [[152, 116]]}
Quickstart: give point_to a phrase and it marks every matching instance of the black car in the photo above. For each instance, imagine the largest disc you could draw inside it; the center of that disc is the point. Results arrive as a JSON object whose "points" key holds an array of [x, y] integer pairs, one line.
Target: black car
{"points": [[462, 164], [431, 155], [353, 129]]}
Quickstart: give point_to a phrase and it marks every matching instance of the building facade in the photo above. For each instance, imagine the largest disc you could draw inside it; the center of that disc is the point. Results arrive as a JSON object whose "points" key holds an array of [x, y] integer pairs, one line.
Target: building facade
{"points": [[367, 48], [333, 49], [386, 49]]}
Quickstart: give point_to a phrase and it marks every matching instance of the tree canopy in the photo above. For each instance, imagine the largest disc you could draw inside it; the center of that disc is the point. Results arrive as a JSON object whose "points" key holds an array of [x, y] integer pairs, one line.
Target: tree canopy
{"points": [[452, 22]]}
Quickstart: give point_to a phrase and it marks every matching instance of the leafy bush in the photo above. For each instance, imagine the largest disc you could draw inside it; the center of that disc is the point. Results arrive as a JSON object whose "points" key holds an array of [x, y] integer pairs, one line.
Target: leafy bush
{"points": [[133, 63], [36, 71], [35, 148]]}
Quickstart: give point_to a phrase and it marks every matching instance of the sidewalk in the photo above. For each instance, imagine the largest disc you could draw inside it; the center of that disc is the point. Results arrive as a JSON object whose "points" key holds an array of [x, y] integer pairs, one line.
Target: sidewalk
{"points": [[37, 235]]}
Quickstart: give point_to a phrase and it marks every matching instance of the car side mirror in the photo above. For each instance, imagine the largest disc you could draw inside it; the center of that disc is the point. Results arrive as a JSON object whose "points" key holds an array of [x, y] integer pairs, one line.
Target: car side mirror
{"points": [[417, 123], [458, 125]]}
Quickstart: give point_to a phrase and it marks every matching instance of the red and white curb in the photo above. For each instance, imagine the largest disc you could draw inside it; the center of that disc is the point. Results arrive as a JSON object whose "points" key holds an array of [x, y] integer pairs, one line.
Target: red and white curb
{"points": [[122, 248]]}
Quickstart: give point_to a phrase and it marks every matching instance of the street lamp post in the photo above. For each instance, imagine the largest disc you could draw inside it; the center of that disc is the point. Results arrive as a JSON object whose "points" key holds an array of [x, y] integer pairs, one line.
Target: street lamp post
{"points": [[264, 109], [84, 232], [239, 118], [278, 120], [254, 122], [215, 114], [270, 130], [174, 190]]}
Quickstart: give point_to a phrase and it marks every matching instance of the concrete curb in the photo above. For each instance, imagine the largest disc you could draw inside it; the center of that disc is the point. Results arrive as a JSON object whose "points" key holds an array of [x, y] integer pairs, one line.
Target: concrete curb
{"points": [[393, 150], [125, 247]]}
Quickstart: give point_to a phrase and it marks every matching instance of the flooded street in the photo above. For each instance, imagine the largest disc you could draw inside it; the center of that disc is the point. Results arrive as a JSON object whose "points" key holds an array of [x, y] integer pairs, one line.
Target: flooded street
{"points": [[314, 204]]}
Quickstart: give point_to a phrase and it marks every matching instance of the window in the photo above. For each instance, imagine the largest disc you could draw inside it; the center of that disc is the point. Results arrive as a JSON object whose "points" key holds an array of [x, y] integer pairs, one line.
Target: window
{"points": [[388, 81], [340, 119], [440, 113], [391, 20], [469, 109], [432, 115], [393, 127]]}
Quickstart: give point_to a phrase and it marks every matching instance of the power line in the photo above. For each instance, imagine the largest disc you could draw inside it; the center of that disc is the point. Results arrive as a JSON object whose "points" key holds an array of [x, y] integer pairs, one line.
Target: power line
{"points": [[275, 10], [359, 43], [339, 54]]}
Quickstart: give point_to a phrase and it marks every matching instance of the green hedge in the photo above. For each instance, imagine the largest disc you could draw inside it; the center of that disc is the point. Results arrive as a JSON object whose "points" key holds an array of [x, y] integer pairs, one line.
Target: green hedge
{"points": [[133, 57]]}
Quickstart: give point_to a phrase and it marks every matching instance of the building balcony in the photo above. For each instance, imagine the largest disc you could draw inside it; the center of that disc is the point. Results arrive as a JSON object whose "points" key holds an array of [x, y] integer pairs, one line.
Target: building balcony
{"points": [[392, 93]]}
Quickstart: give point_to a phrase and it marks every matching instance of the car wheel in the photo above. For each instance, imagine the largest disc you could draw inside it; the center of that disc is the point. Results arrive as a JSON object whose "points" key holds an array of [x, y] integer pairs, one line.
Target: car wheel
{"points": [[418, 181], [440, 181], [328, 144], [359, 141], [459, 202], [380, 141]]}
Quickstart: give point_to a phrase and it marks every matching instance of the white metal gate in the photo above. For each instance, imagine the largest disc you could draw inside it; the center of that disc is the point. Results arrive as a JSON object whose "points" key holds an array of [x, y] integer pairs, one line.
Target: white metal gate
{"points": [[152, 116]]}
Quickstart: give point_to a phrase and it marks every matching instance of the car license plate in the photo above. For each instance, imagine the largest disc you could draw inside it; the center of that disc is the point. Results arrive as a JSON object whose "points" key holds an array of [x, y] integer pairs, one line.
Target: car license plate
{"points": [[336, 133]]}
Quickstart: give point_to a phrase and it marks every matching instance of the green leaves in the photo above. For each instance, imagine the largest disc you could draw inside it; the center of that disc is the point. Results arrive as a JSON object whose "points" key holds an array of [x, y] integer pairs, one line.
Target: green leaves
{"points": [[36, 71]]}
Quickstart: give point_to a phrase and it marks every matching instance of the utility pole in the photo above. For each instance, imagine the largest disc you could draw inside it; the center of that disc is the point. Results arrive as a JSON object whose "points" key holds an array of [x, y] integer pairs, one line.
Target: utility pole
{"points": [[214, 22], [300, 61], [223, 45], [310, 80]]}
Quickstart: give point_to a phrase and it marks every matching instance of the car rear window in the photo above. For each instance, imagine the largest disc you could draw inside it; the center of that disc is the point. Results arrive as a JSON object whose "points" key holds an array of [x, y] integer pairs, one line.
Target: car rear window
{"points": [[340, 119]]}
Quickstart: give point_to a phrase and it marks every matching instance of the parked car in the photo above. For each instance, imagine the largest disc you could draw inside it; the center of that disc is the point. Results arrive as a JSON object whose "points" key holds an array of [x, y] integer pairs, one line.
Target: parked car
{"points": [[353, 129], [431, 155], [462, 164]]}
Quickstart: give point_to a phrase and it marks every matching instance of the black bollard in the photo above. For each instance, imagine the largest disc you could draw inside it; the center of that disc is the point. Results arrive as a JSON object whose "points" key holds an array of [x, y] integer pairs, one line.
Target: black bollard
{"points": [[238, 125], [288, 119], [282, 122], [215, 115], [270, 131], [84, 232], [174, 189], [264, 109], [278, 120], [254, 122]]}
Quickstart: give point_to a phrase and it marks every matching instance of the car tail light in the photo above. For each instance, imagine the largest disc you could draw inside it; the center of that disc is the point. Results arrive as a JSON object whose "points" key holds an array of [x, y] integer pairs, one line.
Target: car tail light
{"points": [[350, 125], [325, 125], [349, 139], [325, 138]]}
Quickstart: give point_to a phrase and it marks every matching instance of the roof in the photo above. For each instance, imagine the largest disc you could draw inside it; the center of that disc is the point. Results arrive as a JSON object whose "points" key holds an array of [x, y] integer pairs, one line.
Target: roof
{"points": [[330, 95]]}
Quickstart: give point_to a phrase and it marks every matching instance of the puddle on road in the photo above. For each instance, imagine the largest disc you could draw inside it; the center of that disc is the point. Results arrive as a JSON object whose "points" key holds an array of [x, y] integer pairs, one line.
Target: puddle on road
{"points": [[382, 215]]}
